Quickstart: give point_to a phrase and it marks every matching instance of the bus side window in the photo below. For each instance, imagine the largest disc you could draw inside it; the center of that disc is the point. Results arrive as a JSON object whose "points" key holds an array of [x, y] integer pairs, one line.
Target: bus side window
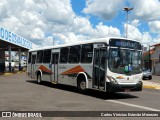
{"points": [[74, 54], [64, 55], [87, 53], [47, 56], [39, 56], [29, 58]]}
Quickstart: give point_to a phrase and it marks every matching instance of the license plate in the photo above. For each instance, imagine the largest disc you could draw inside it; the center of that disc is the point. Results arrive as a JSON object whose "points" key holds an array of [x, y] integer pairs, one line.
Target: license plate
{"points": [[127, 90]]}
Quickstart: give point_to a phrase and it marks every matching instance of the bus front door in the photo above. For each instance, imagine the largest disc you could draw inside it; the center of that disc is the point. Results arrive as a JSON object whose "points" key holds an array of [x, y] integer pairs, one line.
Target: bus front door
{"points": [[54, 75], [99, 68], [33, 60]]}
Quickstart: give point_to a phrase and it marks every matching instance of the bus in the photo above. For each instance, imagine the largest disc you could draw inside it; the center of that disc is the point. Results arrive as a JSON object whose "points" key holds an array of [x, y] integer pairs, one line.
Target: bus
{"points": [[105, 64]]}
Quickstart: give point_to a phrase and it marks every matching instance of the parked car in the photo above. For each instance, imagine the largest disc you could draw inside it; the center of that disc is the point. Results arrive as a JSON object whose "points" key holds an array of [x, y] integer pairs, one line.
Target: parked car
{"points": [[147, 74], [23, 63]]}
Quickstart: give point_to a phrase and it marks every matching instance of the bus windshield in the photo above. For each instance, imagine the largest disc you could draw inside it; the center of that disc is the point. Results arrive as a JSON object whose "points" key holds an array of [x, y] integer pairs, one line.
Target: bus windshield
{"points": [[119, 58]]}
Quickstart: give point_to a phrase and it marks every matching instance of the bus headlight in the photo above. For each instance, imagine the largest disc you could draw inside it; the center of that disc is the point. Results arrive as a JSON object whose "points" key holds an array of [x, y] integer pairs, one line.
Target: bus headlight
{"points": [[112, 80]]}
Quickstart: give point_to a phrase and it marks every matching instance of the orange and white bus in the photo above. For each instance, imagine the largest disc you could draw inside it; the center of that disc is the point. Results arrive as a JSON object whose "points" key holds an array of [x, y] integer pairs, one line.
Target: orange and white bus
{"points": [[106, 64]]}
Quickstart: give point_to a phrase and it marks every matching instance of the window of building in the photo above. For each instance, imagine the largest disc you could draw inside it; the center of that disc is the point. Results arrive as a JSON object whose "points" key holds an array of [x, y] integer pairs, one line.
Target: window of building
{"points": [[47, 56], [87, 53], [64, 55], [39, 57], [74, 54]]}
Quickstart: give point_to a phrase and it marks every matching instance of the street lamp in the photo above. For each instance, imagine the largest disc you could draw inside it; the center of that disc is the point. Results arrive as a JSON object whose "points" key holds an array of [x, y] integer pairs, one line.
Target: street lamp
{"points": [[127, 9]]}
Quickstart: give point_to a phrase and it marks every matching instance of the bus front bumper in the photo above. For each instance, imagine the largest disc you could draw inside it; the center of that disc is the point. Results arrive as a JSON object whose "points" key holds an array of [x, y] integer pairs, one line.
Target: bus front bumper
{"points": [[110, 87]]}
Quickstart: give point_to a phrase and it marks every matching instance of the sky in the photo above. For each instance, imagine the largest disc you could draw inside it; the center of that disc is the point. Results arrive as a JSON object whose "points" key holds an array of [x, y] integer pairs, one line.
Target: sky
{"points": [[53, 22]]}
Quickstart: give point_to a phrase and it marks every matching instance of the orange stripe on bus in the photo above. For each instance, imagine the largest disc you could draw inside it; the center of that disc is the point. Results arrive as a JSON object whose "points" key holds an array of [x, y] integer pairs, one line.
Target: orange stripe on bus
{"points": [[44, 69], [76, 69]]}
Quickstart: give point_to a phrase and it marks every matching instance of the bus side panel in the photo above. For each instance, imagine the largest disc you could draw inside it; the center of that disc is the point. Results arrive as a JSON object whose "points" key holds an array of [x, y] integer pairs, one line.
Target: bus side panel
{"points": [[88, 68], [33, 65], [29, 69], [68, 73], [63, 77], [29, 65], [46, 72]]}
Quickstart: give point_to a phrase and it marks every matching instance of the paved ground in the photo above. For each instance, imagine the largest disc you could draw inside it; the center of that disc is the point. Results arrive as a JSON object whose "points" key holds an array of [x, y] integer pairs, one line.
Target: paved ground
{"points": [[20, 93]]}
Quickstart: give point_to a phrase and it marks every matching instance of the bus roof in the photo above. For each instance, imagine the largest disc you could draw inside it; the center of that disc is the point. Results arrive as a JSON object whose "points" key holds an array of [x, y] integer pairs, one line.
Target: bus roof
{"points": [[106, 40]]}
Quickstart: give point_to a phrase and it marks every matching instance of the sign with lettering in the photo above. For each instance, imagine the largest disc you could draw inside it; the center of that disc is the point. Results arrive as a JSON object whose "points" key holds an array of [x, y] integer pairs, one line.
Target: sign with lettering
{"points": [[125, 43], [14, 38]]}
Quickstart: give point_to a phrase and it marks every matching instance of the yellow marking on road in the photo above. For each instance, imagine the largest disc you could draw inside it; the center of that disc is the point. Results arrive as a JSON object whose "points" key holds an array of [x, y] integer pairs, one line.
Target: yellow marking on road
{"points": [[151, 87]]}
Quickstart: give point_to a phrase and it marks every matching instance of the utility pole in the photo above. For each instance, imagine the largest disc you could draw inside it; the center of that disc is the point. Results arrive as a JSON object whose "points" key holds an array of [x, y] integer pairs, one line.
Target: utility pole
{"points": [[127, 9], [150, 59]]}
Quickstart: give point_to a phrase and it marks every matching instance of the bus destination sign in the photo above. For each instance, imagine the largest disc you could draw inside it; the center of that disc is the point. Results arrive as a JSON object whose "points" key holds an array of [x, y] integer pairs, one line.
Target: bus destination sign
{"points": [[125, 43]]}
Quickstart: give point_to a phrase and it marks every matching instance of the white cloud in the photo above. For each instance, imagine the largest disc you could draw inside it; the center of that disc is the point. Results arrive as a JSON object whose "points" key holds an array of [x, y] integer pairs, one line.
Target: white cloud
{"points": [[3, 9], [156, 40], [82, 25], [146, 38], [146, 9], [105, 9], [135, 23], [49, 41], [41, 21], [105, 31], [154, 26], [34, 46], [58, 11], [37, 33], [134, 33]]}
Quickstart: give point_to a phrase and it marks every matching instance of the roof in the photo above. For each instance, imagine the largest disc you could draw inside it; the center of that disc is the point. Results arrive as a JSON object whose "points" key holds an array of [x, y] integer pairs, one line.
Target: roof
{"points": [[4, 46], [157, 44], [8, 38], [147, 52], [106, 40]]}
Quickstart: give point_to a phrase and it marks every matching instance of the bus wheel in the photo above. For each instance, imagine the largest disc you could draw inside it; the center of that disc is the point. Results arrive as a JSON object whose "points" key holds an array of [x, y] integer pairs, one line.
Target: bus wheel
{"points": [[39, 79], [82, 86]]}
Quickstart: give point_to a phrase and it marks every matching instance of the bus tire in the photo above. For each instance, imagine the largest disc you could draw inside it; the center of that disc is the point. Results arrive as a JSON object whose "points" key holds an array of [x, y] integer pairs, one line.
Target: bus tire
{"points": [[39, 81], [82, 86]]}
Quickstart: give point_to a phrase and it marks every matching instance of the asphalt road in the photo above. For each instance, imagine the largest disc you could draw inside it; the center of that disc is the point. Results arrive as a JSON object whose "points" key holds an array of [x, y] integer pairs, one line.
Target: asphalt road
{"points": [[20, 93]]}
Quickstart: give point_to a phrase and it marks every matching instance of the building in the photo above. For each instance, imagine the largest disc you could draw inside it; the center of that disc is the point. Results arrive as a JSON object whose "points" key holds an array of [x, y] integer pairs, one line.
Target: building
{"points": [[155, 57], [10, 41], [146, 58]]}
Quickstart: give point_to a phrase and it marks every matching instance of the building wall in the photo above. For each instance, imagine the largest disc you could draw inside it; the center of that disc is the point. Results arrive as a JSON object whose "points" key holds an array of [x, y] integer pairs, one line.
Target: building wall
{"points": [[157, 68], [155, 60], [157, 52]]}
